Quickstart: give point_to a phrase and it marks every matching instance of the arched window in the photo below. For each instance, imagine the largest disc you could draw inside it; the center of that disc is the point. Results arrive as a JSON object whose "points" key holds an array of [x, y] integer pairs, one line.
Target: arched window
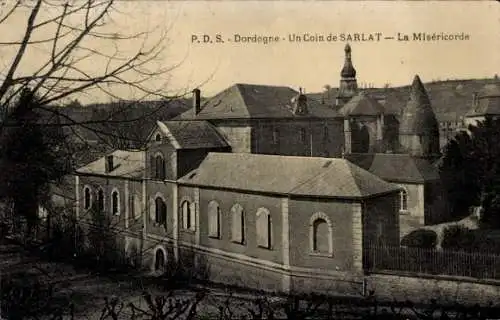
{"points": [[214, 220], [158, 137], [100, 200], [160, 210], [325, 133], [320, 234], [264, 228], [87, 198], [160, 260], [238, 224], [159, 167], [403, 198], [115, 202], [188, 218]]}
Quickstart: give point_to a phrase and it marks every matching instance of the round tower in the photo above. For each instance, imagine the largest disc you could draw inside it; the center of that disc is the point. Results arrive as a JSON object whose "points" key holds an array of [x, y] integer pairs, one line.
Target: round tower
{"points": [[418, 127], [348, 84]]}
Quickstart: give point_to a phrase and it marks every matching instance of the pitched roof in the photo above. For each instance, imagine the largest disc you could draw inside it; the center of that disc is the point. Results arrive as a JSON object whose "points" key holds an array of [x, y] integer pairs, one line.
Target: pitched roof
{"points": [[127, 164], [490, 90], [418, 116], [299, 176], [488, 102], [192, 134], [397, 167], [362, 105], [257, 101], [450, 99]]}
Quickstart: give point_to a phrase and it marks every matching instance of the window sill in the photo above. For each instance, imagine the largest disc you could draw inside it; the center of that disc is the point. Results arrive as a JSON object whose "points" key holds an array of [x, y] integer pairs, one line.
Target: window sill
{"points": [[214, 237], [189, 231], [404, 212], [264, 247], [321, 254], [242, 243]]}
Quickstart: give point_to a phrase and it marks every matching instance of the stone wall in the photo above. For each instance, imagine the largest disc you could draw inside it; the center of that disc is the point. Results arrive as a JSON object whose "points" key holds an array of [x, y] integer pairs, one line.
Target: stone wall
{"points": [[423, 288]]}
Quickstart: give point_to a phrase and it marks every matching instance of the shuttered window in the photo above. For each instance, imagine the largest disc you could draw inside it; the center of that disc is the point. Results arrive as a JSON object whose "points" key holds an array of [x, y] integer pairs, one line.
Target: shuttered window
{"points": [[264, 228], [153, 167], [115, 203], [160, 167], [214, 220], [237, 224], [188, 215], [160, 211], [100, 200], [87, 198], [152, 210]]}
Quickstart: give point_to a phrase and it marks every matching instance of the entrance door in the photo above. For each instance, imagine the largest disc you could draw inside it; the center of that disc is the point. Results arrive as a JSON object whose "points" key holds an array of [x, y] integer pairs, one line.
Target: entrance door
{"points": [[159, 260]]}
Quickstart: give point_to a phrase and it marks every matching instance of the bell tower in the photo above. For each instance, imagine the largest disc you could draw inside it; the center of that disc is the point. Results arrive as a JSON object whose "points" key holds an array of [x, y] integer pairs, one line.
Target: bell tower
{"points": [[348, 84]]}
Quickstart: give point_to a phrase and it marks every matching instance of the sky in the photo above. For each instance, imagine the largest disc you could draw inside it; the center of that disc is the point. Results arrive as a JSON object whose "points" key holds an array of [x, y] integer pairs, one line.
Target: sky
{"points": [[311, 65]]}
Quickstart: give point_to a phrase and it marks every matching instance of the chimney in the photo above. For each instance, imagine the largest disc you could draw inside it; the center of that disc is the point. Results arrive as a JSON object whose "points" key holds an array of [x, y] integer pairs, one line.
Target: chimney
{"points": [[109, 163], [196, 101]]}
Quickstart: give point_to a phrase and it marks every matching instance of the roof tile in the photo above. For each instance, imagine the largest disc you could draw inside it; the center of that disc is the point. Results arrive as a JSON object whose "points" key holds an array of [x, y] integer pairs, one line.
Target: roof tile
{"points": [[299, 176], [127, 164], [257, 101], [192, 134]]}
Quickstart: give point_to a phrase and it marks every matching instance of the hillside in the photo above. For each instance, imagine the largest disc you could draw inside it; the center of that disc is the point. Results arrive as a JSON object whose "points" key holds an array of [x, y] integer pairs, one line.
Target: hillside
{"points": [[450, 99]]}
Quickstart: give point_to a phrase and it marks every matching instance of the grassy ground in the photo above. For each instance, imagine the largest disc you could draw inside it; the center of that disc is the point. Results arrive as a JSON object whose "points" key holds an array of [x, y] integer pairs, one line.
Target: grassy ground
{"points": [[88, 290]]}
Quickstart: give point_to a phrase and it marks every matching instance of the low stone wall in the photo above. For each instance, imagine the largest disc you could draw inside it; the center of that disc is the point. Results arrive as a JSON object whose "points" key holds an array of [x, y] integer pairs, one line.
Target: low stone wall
{"points": [[422, 288], [226, 271]]}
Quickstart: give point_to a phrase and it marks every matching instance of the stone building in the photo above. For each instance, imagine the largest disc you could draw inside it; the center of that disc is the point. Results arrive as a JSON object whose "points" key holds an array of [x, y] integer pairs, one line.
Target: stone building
{"points": [[289, 223], [484, 103], [271, 120], [267, 180], [110, 193]]}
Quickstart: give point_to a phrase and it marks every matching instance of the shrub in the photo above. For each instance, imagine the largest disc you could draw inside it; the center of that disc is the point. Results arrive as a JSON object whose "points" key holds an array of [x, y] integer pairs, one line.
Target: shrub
{"points": [[420, 238]]}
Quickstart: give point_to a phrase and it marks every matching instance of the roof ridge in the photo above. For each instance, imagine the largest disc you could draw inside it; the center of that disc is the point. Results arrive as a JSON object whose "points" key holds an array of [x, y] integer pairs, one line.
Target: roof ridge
{"points": [[351, 165], [320, 173], [241, 95]]}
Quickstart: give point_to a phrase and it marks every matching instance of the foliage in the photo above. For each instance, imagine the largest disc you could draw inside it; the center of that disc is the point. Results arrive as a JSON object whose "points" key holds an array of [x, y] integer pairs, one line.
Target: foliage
{"points": [[457, 238], [420, 238], [470, 171], [462, 238], [34, 157], [24, 296]]}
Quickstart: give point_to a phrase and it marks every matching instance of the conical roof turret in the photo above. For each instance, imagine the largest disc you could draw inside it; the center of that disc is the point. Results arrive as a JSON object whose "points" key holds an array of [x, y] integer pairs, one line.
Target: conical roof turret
{"points": [[418, 118]]}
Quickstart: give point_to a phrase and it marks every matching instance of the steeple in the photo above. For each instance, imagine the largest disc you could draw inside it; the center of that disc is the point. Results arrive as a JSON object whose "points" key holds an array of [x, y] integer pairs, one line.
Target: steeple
{"points": [[348, 70], [419, 129], [348, 84]]}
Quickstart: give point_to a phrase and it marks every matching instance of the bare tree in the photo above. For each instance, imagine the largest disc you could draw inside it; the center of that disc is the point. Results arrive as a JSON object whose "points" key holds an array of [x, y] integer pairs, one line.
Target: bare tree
{"points": [[82, 51]]}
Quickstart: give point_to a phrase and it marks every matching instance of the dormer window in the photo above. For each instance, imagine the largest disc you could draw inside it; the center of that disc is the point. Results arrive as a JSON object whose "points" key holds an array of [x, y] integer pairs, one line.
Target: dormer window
{"points": [[158, 137]]}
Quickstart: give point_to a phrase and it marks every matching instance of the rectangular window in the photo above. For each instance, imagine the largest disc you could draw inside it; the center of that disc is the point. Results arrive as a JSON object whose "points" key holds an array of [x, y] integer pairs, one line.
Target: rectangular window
{"points": [[276, 134], [302, 135]]}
